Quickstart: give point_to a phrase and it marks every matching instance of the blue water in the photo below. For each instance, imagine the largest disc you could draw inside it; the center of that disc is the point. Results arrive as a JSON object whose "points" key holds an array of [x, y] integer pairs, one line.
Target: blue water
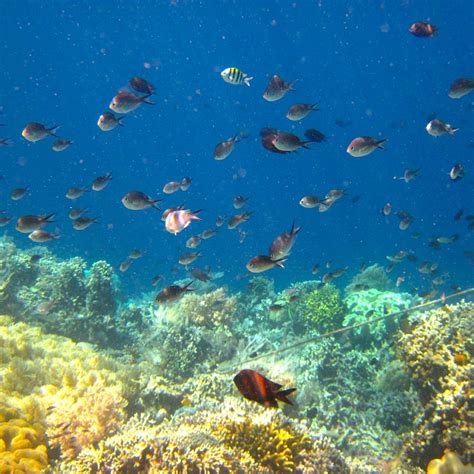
{"points": [[62, 62]]}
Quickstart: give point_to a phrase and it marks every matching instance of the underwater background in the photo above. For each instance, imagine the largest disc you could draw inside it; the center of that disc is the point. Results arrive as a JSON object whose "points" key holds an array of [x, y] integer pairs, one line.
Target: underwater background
{"points": [[97, 375]]}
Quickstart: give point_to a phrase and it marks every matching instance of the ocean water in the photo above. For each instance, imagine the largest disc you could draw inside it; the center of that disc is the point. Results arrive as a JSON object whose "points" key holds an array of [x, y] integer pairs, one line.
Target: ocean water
{"points": [[63, 61]]}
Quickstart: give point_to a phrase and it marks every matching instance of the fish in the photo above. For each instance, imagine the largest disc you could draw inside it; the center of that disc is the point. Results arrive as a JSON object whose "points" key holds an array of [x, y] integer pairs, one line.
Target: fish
{"points": [[34, 259], [208, 233], [310, 202], [288, 142], [422, 29], [141, 85], [447, 240], [108, 121], [225, 148], [300, 111], [277, 89], [363, 146], [177, 221], [138, 201], [125, 265], [76, 212], [75, 193], [437, 128], [238, 219], [461, 87], [18, 193], [5, 142], [257, 388], [220, 220], [283, 243], [239, 202], [314, 135], [156, 279], [328, 277], [34, 131], [4, 220], [45, 307], [410, 174], [235, 76], [315, 269], [268, 135], [135, 254], [41, 236], [193, 241], [262, 263], [188, 258], [101, 182], [200, 275], [185, 183], [172, 293], [387, 209], [171, 187], [456, 172], [82, 223], [399, 281], [243, 235], [458, 214], [276, 307], [341, 122], [29, 223], [125, 102], [165, 213], [61, 144], [405, 223]]}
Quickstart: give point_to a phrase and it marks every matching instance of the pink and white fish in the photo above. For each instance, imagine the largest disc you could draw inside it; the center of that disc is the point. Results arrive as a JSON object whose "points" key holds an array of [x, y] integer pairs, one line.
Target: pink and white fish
{"points": [[176, 221]]}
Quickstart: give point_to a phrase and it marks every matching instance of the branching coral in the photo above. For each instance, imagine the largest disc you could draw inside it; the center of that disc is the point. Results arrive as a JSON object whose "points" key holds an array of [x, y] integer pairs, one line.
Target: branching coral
{"points": [[431, 353], [373, 277]]}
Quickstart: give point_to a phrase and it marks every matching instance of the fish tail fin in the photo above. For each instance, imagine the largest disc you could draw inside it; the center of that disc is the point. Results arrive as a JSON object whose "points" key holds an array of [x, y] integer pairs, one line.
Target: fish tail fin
{"points": [[145, 99], [291, 85], [186, 287], [194, 215], [280, 261], [247, 80], [48, 218], [380, 143], [283, 395], [119, 121], [52, 131], [452, 130], [305, 144], [271, 403], [155, 204], [315, 106]]}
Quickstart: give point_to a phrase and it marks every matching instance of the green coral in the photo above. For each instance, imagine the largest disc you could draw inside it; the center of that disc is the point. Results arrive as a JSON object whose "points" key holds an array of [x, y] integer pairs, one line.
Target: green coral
{"points": [[322, 309], [371, 304]]}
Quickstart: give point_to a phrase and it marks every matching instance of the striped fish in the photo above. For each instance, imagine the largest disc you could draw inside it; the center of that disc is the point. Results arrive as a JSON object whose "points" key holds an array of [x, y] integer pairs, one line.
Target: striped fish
{"points": [[235, 76]]}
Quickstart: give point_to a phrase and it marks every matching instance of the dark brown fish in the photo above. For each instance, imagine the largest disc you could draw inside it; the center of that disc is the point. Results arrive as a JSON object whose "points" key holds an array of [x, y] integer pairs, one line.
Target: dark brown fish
{"points": [[193, 241], [300, 111], [460, 87], [4, 220], [141, 85], [257, 388], [125, 265], [363, 146], [29, 223], [282, 244], [225, 148], [101, 182], [208, 233], [238, 219], [387, 209], [314, 135], [35, 131], [41, 236], [200, 275], [172, 293], [61, 144], [138, 201], [75, 193], [310, 202], [76, 212], [108, 121], [288, 142], [457, 172], [458, 215], [422, 29], [437, 128], [125, 101], [136, 254], [277, 89], [410, 174], [262, 263], [239, 202], [188, 258], [156, 279], [82, 223]]}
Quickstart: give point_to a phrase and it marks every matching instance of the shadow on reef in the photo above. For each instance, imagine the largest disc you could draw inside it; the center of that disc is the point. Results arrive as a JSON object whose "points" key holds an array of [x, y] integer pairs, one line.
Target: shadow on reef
{"points": [[390, 397]]}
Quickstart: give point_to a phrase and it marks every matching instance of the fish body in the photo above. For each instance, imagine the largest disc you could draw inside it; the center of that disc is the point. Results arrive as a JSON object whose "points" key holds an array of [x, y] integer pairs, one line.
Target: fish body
{"points": [[314, 135], [288, 142], [225, 148], [300, 111], [277, 89], [18, 193], [177, 221], [236, 77], [125, 265], [257, 388], [262, 263], [141, 85], [61, 144], [4, 220], [436, 128], [363, 146], [387, 209], [238, 219], [422, 29], [461, 87], [75, 193], [408, 175], [156, 279], [171, 187], [138, 201], [101, 182], [125, 102], [135, 254], [193, 241], [172, 293], [200, 275], [35, 131], [76, 212], [282, 244], [456, 172], [188, 258], [29, 223], [41, 236], [208, 233], [108, 121], [239, 202], [185, 183], [220, 220], [82, 223], [309, 202]]}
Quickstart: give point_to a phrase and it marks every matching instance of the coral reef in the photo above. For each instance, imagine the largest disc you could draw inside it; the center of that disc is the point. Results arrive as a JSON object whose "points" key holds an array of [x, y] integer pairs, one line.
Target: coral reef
{"points": [[449, 464], [370, 304], [239, 438], [373, 277], [22, 444], [438, 353]]}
